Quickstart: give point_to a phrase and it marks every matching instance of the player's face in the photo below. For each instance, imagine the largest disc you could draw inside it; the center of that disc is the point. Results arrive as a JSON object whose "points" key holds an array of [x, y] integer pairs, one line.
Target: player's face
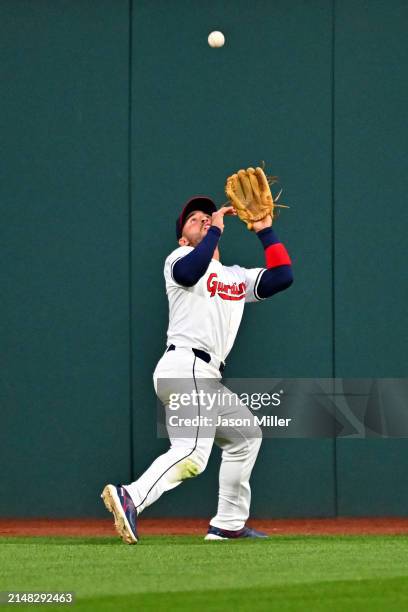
{"points": [[196, 227]]}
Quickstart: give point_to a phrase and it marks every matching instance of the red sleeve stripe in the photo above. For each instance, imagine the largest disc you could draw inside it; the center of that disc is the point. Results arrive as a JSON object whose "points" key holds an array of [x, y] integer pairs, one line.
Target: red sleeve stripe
{"points": [[276, 255]]}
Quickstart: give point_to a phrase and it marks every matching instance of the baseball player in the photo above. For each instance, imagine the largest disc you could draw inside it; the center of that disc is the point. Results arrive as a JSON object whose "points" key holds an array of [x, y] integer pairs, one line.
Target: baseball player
{"points": [[206, 304]]}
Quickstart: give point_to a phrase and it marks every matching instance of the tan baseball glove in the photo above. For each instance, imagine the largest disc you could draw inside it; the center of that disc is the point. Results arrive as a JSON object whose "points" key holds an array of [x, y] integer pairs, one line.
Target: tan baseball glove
{"points": [[249, 193]]}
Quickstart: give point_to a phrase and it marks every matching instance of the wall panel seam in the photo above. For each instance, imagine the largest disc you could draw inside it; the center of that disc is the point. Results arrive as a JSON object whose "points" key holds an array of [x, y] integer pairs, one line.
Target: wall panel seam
{"points": [[333, 233], [130, 234]]}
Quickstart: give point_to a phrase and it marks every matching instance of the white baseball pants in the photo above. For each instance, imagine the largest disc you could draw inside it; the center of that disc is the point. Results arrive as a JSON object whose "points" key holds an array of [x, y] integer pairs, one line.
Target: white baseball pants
{"points": [[188, 456]]}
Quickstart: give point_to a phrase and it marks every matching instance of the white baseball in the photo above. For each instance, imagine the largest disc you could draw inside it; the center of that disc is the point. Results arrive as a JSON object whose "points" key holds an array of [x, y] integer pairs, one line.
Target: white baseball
{"points": [[216, 39]]}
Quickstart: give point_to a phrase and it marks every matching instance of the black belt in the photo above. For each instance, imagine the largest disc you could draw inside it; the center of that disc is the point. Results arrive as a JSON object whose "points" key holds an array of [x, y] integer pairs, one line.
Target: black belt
{"points": [[201, 355]]}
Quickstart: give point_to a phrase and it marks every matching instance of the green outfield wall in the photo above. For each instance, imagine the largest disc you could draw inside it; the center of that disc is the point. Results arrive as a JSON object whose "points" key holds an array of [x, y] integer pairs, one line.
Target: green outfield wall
{"points": [[113, 113]]}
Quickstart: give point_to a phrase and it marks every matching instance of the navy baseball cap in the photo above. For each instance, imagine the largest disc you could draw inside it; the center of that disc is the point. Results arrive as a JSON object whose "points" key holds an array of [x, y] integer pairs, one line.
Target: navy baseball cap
{"points": [[203, 203]]}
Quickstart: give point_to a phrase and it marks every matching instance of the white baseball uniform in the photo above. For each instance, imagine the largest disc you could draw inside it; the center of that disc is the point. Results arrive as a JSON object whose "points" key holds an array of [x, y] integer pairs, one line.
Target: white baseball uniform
{"points": [[205, 316]]}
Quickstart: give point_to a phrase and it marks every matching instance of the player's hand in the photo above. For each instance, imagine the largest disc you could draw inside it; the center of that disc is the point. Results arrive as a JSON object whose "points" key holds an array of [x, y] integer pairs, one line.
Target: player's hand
{"points": [[257, 226], [217, 218]]}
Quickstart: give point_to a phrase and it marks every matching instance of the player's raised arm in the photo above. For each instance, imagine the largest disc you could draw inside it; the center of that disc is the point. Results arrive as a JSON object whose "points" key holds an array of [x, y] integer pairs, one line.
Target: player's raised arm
{"points": [[203, 233], [278, 275], [250, 194]]}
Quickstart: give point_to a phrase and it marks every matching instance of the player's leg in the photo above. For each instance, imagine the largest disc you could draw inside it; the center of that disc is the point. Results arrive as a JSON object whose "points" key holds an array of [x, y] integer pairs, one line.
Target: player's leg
{"points": [[185, 459], [178, 373], [188, 454], [240, 445]]}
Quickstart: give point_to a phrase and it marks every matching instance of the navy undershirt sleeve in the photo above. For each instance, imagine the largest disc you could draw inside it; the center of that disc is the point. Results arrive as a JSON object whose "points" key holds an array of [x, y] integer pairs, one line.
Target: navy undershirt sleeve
{"points": [[188, 270], [274, 279], [267, 236]]}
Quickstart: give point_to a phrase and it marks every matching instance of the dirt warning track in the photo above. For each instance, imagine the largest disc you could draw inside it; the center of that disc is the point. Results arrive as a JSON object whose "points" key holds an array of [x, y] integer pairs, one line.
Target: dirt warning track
{"points": [[188, 526]]}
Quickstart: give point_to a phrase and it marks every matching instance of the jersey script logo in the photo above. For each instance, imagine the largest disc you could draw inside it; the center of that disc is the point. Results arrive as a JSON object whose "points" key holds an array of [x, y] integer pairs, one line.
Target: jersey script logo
{"points": [[233, 291]]}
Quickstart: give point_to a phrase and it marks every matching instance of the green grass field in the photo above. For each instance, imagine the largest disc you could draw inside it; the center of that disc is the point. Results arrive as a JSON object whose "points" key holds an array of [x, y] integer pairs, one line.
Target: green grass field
{"points": [[186, 573]]}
